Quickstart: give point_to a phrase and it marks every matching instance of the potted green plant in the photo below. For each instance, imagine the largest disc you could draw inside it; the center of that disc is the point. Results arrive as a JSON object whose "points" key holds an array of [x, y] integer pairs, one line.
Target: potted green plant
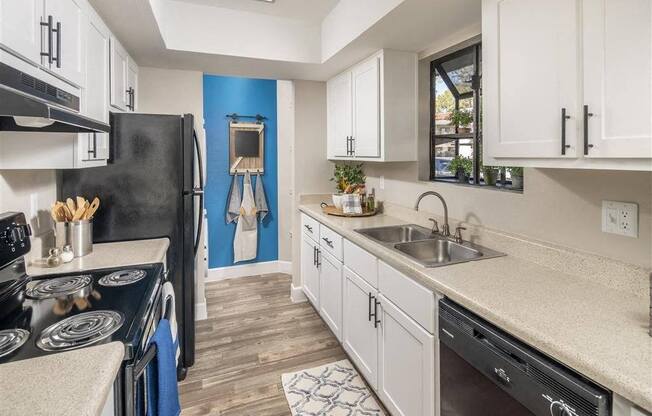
{"points": [[347, 178], [462, 119], [461, 167], [490, 174], [517, 177]]}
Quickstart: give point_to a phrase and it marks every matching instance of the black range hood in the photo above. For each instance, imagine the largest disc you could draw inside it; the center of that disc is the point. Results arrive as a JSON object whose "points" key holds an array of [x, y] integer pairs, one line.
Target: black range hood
{"points": [[29, 104]]}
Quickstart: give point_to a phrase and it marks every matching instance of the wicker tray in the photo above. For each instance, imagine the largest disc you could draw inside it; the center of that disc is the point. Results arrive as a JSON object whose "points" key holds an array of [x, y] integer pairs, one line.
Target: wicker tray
{"points": [[331, 210]]}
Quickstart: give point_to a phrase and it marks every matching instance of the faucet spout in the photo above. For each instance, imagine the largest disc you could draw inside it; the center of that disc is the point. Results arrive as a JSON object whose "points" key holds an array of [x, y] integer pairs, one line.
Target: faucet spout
{"points": [[445, 228]]}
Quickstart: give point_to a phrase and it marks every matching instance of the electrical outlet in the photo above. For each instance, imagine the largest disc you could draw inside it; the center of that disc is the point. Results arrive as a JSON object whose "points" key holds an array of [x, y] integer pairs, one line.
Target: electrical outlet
{"points": [[620, 218]]}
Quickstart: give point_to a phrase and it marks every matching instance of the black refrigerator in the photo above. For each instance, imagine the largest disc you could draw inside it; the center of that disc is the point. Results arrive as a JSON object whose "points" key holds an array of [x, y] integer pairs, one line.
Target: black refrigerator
{"points": [[151, 187]]}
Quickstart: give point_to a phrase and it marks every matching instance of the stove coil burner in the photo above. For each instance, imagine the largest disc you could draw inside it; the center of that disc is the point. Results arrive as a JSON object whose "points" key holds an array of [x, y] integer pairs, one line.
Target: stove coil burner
{"points": [[59, 287], [11, 340], [122, 277], [80, 330]]}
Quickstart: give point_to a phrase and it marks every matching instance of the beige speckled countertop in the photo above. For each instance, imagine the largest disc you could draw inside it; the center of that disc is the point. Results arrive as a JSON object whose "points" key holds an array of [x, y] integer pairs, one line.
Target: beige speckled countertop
{"points": [[117, 254], [599, 331], [69, 383]]}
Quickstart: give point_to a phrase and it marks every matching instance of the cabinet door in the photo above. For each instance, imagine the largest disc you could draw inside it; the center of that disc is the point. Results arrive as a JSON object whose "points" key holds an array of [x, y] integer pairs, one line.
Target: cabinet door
{"points": [[330, 293], [132, 84], [530, 74], [360, 338], [20, 28], [118, 75], [91, 149], [617, 37], [406, 364], [96, 93], [69, 44], [339, 114], [366, 108], [309, 270]]}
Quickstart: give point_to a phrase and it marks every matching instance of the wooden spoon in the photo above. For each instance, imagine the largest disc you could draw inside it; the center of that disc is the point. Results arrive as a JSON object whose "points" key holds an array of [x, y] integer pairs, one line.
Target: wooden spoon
{"points": [[79, 214], [71, 205], [92, 208]]}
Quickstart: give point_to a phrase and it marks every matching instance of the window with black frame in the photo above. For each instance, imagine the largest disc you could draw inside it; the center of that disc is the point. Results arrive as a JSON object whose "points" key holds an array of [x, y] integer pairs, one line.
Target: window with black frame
{"points": [[456, 124]]}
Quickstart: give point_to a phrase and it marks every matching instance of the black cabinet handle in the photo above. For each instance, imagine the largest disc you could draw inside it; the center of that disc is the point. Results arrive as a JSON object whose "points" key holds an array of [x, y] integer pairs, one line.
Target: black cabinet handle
{"points": [[309, 228], [58, 58], [564, 117], [369, 304], [49, 25], [587, 145], [92, 150], [318, 257], [376, 320], [328, 242]]}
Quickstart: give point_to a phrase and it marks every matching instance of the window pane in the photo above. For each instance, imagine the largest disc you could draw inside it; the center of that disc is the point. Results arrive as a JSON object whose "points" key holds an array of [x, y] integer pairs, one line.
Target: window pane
{"points": [[444, 106], [444, 152], [460, 70], [466, 105]]}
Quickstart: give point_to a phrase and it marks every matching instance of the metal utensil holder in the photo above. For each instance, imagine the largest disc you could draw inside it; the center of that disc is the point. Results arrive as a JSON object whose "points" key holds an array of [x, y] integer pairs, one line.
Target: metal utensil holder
{"points": [[77, 234]]}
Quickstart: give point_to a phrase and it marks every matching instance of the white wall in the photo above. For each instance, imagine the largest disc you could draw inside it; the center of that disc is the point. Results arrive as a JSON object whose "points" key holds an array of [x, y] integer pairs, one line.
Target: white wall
{"points": [[285, 154], [169, 91], [17, 189], [312, 172]]}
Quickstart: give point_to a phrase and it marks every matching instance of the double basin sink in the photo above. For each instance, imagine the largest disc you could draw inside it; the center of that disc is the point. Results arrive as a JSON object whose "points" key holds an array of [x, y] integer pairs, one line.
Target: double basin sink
{"points": [[428, 249]]}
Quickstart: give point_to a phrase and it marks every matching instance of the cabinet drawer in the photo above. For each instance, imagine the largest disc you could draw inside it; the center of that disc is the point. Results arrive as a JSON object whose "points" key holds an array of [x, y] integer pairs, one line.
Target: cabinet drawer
{"points": [[310, 227], [330, 241], [361, 262], [412, 298]]}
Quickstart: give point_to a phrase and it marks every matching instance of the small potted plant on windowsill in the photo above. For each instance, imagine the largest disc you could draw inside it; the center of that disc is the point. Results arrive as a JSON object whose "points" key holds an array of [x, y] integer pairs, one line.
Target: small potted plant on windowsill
{"points": [[461, 119], [348, 178], [490, 174], [517, 177], [462, 167]]}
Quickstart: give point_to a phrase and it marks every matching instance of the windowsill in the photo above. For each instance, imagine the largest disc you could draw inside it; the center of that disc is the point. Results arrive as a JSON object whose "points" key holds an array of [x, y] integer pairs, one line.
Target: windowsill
{"points": [[497, 187]]}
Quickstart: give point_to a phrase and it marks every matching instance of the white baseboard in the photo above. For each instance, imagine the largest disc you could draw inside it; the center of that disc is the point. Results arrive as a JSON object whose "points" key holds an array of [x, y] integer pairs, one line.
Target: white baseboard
{"points": [[252, 269], [201, 312], [297, 295]]}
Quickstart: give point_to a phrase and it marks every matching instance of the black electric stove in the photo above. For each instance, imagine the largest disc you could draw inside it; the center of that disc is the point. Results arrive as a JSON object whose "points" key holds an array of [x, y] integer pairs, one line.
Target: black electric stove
{"points": [[60, 312]]}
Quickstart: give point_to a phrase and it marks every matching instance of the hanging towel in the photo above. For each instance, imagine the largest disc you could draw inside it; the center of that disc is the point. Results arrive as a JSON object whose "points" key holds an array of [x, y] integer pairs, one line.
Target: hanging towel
{"points": [[233, 201], [259, 197], [163, 393], [245, 242]]}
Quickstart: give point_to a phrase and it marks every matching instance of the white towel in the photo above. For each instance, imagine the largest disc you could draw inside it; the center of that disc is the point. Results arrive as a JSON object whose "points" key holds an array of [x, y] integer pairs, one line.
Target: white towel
{"points": [[167, 291], [245, 242]]}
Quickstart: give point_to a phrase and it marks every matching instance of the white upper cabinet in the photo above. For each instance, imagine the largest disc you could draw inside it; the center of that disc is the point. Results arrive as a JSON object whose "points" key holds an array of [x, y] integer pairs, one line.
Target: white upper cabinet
{"points": [[20, 28], [372, 109], [366, 108], [617, 36], [339, 115], [68, 35], [567, 83], [533, 43], [124, 78]]}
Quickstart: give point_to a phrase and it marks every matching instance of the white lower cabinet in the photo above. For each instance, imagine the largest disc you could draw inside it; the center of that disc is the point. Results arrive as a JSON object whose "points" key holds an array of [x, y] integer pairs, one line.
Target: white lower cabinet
{"points": [[360, 339], [330, 292], [385, 321], [310, 270], [406, 363]]}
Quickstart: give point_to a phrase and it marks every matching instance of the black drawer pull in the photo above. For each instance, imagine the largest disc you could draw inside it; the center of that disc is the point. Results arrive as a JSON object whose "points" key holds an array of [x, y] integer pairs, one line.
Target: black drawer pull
{"points": [[328, 242], [564, 117]]}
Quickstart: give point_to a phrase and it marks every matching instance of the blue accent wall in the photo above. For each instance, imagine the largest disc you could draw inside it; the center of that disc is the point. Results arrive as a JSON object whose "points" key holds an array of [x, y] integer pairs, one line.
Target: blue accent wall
{"points": [[222, 96]]}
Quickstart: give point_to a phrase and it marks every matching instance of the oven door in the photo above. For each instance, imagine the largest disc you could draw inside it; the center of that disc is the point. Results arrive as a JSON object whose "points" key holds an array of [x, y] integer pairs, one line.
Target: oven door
{"points": [[135, 373]]}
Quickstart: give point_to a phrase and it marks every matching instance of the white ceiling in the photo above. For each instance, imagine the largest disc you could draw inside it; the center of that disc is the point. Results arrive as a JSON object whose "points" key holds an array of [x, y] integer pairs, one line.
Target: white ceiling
{"points": [[306, 10], [412, 25]]}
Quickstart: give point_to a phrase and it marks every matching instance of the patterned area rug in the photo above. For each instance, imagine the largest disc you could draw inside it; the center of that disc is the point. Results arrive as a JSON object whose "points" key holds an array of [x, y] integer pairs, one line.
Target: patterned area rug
{"points": [[333, 389]]}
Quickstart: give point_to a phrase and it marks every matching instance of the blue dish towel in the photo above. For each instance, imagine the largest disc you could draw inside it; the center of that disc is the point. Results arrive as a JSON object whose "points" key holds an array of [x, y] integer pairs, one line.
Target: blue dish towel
{"points": [[162, 392]]}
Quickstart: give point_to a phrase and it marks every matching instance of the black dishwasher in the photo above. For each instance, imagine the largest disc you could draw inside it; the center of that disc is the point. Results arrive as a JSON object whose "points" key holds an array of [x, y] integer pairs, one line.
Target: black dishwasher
{"points": [[487, 372]]}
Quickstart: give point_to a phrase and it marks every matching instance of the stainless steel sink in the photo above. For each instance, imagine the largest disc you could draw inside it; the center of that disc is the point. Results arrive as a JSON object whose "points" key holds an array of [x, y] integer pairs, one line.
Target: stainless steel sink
{"points": [[397, 233], [430, 250]]}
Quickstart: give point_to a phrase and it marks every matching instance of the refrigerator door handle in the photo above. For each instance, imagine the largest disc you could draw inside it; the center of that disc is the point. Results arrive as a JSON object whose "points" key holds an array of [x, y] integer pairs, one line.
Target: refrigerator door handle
{"points": [[199, 191]]}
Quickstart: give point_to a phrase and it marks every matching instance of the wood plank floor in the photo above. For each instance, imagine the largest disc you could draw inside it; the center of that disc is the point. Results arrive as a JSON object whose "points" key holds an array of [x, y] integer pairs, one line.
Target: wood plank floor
{"points": [[253, 334]]}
